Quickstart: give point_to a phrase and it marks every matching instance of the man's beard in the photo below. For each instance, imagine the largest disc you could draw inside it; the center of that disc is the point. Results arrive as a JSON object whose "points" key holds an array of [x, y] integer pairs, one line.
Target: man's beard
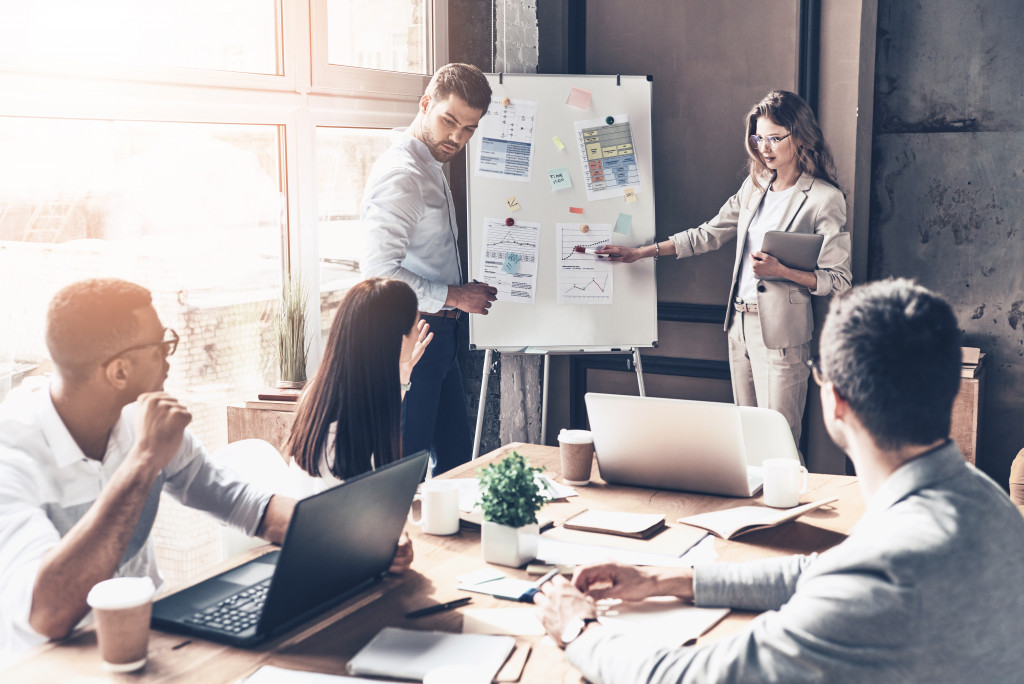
{"points": [[435, 147]]}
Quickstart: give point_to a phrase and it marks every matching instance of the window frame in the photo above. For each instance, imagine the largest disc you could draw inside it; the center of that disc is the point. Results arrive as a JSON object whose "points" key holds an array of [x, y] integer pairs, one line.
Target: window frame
{"points": [[308, 94]]}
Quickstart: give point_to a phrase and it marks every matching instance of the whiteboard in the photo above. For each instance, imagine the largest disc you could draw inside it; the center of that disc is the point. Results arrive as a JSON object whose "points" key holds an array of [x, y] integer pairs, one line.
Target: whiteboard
{"points": [[570, 311]]}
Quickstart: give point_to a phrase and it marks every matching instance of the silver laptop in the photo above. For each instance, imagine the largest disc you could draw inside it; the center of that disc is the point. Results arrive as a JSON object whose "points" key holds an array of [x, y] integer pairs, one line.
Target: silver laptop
{"points": [[696, 446], [796, 250], [338, 543]]}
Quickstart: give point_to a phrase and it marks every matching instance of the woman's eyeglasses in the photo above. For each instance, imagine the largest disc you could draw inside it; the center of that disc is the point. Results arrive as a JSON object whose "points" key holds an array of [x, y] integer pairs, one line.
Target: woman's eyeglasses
{"points": [[769, 142]]}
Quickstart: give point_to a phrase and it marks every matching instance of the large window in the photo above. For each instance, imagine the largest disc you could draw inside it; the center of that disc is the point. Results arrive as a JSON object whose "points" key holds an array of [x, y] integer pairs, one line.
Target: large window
{"points": [[227, 35], [202, 148], [385, 34]]}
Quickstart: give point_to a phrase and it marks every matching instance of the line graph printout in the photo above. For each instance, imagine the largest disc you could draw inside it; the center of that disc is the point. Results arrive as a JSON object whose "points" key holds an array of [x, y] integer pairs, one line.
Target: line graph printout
{"points": [[507, 140], [583, 278], [608, 157], [509, 259]]}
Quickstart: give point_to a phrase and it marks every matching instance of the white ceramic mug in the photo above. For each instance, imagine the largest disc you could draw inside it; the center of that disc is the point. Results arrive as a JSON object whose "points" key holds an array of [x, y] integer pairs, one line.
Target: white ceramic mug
{"points": [[439, 507], [783, 483]]}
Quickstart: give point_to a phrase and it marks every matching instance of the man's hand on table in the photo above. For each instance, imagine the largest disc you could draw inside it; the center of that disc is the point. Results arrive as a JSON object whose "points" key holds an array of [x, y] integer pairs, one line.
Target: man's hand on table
{"points": [[559, 604], [403, 556]]}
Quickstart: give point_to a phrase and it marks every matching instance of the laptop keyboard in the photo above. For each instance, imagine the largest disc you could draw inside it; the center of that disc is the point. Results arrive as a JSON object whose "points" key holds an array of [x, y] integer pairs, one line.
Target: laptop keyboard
{"points": [[236, 613]]}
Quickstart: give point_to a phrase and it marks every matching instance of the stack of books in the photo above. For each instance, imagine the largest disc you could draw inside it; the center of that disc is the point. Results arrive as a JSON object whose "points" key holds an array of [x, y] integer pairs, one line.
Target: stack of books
{"points": [[276, 399]]}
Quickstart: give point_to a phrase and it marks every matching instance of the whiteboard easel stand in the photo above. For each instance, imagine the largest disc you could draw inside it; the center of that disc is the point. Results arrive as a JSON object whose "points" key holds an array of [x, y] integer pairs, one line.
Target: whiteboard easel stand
{"points": [[486, 375]]}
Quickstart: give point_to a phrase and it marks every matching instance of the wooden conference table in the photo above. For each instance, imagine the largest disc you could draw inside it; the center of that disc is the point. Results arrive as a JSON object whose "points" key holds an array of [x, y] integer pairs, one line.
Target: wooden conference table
{"points": [[326, 644]]}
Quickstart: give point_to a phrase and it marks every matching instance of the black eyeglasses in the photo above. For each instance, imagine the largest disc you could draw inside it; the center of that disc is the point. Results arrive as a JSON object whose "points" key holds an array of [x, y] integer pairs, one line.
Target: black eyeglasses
{"points": [[169, 344], [769, 142], [813, 364]]}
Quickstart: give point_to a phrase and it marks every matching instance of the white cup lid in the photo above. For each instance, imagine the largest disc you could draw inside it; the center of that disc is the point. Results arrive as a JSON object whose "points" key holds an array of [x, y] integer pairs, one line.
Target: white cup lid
{"points": [[576, 437], [121, 592]]}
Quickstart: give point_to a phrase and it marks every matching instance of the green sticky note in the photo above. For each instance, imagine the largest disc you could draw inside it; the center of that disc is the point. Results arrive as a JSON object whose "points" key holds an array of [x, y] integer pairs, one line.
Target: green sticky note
{"points": [[511, 264], [559, 178], [623, 223]]}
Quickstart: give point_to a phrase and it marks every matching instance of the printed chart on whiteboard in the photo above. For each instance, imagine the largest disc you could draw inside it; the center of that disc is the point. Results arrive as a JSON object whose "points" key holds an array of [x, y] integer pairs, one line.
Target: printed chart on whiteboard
{"points": [[583, 278], [509, 259], [506, 135], [608, 157]]}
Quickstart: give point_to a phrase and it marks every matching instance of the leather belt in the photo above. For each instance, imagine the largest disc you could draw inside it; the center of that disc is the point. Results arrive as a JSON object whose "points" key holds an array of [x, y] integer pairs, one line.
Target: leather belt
{"points": [[443, 313], [744, 308]]}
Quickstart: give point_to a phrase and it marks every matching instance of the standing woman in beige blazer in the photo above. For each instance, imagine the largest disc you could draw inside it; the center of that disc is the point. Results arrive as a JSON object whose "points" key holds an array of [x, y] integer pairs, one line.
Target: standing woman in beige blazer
{"points": [[790, 187]]}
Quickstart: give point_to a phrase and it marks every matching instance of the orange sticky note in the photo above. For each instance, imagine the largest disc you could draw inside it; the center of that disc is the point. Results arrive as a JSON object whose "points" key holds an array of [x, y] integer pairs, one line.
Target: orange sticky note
{"points": [[575, 210]]}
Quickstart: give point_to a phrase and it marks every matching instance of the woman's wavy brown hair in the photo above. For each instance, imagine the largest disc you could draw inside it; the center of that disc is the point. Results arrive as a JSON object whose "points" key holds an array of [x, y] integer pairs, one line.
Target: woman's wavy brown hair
{"points": [[789, 110]]}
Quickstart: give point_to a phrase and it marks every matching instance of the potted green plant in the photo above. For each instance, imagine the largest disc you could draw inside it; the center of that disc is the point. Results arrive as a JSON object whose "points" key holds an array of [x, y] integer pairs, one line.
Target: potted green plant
{"points": [[510, 498], [290, 328]]}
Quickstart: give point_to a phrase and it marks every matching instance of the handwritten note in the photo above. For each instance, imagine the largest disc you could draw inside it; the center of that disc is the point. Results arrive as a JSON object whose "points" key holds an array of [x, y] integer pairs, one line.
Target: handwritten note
{"points": [[513, 204], [623, 224], [559, 178], [630, 194], [511, 265]]}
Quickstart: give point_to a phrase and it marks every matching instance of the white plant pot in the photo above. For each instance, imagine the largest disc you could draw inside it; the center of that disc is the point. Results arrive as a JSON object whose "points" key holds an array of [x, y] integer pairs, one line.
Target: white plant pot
{"points": [[511, 546]]}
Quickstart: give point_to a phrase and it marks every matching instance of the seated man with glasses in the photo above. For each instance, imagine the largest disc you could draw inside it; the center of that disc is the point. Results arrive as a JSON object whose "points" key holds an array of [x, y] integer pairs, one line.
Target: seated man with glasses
{"points": [[925, 589], [84, 459]]}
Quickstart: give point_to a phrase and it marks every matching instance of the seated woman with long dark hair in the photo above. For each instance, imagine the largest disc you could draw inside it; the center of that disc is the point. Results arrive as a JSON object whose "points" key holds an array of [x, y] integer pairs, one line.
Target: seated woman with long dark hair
{"points": [[348, 420]]}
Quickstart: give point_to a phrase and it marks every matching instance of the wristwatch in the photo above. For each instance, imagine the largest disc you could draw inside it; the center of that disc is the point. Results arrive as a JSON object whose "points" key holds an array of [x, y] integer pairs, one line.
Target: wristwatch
{"points": [[406, 386], [574, 628]]}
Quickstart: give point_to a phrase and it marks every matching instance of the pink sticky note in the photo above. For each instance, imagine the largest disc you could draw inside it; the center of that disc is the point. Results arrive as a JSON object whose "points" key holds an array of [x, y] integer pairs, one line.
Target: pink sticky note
{"points": [[575, 210], [578, 97]]}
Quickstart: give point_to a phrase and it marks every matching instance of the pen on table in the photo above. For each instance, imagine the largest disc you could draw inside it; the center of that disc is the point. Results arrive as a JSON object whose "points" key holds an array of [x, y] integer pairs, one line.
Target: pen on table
{"points": [[430, 610], [527, 596]]}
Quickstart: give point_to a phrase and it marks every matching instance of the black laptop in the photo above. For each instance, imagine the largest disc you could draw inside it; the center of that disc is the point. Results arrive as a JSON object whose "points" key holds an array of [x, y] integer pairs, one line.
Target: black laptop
{"points": [[339, 542]]}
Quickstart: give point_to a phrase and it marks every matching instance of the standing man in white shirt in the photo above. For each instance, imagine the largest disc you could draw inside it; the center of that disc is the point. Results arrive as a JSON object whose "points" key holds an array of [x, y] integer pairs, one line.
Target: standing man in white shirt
{"points": [[411, 234]]}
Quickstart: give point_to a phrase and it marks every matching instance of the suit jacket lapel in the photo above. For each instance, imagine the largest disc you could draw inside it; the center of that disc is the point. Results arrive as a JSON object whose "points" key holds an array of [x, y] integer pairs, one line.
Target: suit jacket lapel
{"points": [[803, 186], [743, 226]]}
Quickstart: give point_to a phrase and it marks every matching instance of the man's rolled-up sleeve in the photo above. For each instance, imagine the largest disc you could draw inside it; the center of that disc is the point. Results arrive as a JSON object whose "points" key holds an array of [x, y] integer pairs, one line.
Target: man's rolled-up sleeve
{"points": [[195, 481]]}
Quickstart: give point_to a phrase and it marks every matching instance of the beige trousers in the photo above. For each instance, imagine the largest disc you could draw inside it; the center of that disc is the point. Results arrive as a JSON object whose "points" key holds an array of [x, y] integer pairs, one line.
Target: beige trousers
{"points": [[769, 378]]}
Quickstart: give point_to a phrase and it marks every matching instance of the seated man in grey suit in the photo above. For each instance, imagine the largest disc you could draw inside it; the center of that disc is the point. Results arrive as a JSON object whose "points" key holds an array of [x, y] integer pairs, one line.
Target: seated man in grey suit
{"points": [[926, 588]]}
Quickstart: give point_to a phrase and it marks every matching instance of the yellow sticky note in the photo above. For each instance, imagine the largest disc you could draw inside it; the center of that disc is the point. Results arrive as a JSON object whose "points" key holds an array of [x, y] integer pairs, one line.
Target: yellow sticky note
{"points": [[513, 205], [630, 195], [558, 143]]}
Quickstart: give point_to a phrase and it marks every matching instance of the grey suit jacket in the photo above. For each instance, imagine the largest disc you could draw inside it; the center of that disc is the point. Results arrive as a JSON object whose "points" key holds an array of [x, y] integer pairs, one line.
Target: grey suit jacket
{"points": [[925, 589], [784, 307]]}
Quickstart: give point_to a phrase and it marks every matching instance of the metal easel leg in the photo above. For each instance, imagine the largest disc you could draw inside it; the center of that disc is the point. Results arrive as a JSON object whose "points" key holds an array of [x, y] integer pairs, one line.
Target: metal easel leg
{"points": [[639, 371], [484, 377], [544, 399]]}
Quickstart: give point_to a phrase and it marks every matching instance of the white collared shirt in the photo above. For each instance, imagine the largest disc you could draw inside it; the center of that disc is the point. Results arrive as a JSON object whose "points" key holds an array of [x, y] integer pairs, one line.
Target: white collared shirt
{"points": [[408, 217], [47, 484], [767, 217]]}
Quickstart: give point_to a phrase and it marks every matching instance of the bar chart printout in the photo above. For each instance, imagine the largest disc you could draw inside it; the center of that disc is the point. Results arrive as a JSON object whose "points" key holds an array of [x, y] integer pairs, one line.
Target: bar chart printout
{"points": [[509, 259], [608, 157], [507, 141], [583, 278]]}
